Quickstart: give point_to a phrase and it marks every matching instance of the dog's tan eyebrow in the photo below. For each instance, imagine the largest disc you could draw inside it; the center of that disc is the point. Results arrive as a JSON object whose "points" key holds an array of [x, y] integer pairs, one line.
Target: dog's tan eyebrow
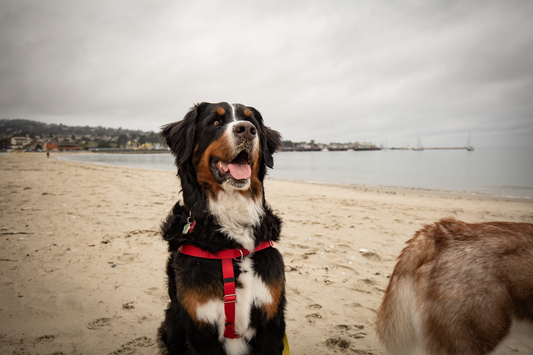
{"points": [[247, 112], [221, 111]]}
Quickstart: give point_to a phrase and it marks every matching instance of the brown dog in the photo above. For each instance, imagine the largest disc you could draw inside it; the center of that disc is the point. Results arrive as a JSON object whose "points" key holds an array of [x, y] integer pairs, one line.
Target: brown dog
{"points": [[458, 288]]}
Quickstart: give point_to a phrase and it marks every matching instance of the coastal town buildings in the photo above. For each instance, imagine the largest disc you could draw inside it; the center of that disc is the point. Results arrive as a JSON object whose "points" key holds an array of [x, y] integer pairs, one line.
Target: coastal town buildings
{"points": [[20, 134], [19, 142], [27, 135], [312, 146]]}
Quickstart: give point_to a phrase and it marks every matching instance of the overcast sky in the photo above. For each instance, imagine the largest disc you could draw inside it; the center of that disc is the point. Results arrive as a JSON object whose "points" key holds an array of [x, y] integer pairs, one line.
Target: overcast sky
{"points": [[332, 71]]}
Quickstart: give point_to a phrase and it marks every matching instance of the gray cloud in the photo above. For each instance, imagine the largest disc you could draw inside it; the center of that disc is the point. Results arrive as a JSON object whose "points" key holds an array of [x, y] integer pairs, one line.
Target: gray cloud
{"points": [[329, 71]]}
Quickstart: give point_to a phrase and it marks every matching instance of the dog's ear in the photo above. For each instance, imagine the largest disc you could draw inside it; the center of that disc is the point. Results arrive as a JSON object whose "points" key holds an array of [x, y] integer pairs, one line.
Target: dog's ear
{"points": [[271, 143], [270, 140], [180, 139], [180, 135]]}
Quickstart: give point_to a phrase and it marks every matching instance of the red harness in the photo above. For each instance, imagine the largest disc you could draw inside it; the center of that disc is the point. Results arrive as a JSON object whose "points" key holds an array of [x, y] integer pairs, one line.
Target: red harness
{"points": [[228, 278]]}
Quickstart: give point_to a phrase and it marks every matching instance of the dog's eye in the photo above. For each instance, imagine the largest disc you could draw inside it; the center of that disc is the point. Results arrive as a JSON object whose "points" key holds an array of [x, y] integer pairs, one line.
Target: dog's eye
{"points": [[216, 123]]}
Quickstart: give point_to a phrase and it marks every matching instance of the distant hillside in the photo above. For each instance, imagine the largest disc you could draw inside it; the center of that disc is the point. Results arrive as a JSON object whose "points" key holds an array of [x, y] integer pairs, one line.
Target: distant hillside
{"points": [[85, 137], [9, 128]]}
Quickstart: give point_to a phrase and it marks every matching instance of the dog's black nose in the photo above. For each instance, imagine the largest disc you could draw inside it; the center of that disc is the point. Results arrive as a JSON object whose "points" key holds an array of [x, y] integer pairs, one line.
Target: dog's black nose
{"points": [[245, 130]]}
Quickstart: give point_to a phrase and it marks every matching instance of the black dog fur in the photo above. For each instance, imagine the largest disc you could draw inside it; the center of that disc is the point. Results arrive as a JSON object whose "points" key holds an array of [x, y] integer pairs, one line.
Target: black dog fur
{"points": [[182, 332]]}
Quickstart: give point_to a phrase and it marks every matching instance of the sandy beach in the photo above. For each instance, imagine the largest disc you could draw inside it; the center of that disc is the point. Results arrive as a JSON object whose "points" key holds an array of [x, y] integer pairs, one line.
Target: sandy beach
{"points": [[82, 260]]}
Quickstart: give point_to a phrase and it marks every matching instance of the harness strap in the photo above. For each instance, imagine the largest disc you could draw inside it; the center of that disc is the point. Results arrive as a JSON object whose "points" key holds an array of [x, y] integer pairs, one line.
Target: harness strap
{"points": [[228, 278], [230, 297], [224, 254]]}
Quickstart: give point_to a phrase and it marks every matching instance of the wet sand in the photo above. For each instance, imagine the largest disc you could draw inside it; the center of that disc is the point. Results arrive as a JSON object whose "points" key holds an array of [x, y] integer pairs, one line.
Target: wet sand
{"points": [[82, 260]]}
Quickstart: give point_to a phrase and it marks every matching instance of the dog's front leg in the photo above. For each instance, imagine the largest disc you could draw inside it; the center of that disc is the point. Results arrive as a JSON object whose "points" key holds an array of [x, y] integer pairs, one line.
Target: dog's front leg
{"points": [[204, 340], [172, 334], [269, 338]]}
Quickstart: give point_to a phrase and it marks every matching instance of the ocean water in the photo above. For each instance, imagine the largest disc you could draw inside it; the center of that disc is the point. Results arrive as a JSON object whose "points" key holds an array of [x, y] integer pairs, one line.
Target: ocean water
{"points": [[495, 171]]}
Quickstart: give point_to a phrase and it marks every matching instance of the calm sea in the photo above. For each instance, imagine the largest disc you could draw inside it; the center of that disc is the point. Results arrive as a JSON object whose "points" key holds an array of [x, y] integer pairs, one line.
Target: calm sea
{"points": [[495, 171]]}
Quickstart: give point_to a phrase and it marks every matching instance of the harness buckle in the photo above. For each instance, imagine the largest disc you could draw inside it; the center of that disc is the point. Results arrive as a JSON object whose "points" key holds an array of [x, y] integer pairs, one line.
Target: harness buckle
{"points": [[242, 256], [230, 298]]}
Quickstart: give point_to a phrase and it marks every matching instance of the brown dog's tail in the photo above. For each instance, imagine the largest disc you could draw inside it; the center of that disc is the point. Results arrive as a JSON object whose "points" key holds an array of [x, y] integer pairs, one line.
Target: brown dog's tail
{"points": [[396, 323]]}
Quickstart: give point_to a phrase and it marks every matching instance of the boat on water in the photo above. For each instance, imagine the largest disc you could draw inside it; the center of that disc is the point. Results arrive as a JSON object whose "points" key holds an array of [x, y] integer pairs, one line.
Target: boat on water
{"points": [[419, 145], [468, 146]]}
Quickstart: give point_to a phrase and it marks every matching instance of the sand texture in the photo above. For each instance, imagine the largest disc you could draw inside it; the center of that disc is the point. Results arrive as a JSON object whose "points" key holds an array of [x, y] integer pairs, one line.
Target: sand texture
{"points": [[82, 260]]}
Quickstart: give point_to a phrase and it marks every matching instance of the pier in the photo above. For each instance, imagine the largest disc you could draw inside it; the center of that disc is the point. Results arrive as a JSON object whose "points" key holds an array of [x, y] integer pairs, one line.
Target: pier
{"points": [[371, 149], [299, 149], [469, 148], [285, 149]]}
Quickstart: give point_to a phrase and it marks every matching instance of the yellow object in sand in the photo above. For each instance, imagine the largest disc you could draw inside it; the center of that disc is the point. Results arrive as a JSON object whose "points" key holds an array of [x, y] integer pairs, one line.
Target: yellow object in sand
{"points": [[286, 347]]}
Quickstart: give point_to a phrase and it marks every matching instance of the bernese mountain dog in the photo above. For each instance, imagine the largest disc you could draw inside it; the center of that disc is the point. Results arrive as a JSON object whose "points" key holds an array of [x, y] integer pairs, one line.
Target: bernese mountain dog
{"points": [[222, 152]]}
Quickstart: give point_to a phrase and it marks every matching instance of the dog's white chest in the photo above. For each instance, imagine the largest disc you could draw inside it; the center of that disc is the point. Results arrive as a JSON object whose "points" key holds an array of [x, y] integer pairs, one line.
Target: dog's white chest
{"points": [[253, 292], [237, 216]]}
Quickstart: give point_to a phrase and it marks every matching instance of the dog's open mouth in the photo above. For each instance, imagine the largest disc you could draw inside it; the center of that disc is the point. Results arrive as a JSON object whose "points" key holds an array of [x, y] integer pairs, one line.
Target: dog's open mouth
{"points": [[234, 171]]}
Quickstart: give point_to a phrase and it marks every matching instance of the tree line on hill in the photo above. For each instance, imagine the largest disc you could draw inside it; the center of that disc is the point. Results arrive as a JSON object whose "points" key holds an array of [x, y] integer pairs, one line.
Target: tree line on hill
{"points": [[84, 136]]}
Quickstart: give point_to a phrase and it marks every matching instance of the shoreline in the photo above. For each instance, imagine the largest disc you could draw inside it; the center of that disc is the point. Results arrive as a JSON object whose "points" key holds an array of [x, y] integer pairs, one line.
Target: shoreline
{"points": [[65, 224], [340, 184], [404, 189]]}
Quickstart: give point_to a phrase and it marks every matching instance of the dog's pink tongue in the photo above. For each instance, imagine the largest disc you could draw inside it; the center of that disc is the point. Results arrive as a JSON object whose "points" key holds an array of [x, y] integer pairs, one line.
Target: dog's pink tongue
{"points": [[240, 171]]}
